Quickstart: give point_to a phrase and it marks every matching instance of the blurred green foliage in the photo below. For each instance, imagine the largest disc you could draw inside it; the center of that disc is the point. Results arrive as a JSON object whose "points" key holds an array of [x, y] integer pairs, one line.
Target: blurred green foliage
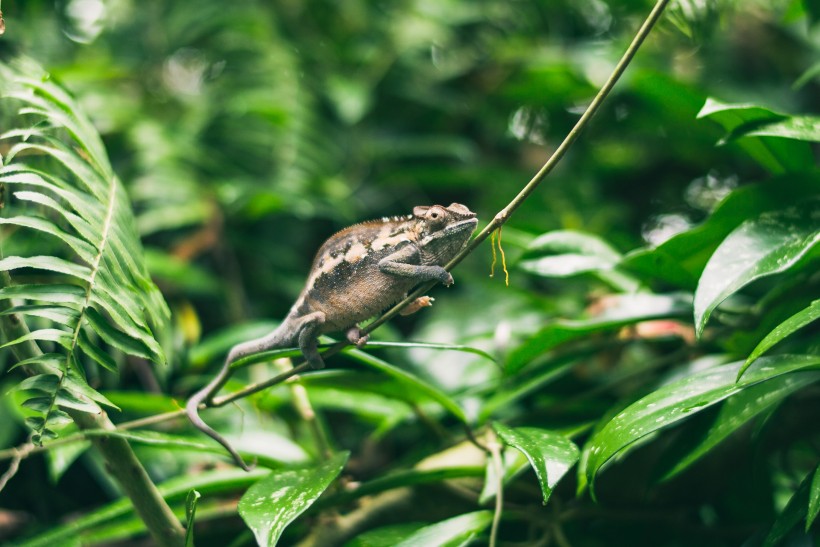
{"points": [[245, 133]]}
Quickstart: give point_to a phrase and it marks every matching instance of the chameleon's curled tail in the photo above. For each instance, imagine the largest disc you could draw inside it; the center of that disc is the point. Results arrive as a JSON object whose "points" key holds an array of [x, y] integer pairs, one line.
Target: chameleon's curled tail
{"points": [[204, 395], [192, 410]]}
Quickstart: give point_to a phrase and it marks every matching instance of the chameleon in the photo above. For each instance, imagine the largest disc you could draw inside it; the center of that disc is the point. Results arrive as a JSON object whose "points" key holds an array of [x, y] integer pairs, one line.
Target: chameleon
{"points": [[357, 273]]}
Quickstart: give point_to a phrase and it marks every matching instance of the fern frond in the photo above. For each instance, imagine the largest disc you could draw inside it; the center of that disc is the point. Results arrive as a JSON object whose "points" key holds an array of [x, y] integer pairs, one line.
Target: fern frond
{"points": [[96, 288]]}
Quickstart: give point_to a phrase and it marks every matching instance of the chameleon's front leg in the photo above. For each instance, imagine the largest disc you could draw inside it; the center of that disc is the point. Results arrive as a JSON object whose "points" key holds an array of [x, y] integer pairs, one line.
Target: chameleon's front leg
{"points": [[404, 263]]}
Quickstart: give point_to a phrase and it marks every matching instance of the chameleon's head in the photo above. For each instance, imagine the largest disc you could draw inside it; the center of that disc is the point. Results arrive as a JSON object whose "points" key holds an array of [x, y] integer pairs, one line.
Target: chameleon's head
{"points": [[443, 231]]}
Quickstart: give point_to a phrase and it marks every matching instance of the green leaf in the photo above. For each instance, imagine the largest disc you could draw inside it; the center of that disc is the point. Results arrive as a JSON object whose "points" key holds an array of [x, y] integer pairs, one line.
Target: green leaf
{"points": [[452, 532], [621, 310], [791, 515], [680, 260], [56, 314], [784, 329], [802, 128], [56, 294], [386, 536], [43, 335], [769, 244], [84, 210], [411, 382], [565, 253], [190, 514], [551, 455], [48, 263], [275, 501], [738, 409], [814, 499], [680, 399], [775, 153]]}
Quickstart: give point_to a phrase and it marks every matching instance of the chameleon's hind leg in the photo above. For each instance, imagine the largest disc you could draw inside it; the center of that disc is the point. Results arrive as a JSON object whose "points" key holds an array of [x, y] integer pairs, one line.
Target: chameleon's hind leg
{"points": [[309, 338]]}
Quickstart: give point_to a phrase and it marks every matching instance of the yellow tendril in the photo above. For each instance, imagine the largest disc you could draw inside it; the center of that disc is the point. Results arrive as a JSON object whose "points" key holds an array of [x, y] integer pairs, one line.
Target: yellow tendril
{"points": [[497, 242]]}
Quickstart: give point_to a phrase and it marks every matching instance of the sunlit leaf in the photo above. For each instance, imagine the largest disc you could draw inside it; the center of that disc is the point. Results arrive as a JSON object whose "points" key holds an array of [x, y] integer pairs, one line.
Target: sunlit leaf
{"points": [[775, 153], [763, 246], [451, 532], [681, 259], [738, 409], [784, 329], [678, 400], [551, 455], [274, 502], [69, 195]]}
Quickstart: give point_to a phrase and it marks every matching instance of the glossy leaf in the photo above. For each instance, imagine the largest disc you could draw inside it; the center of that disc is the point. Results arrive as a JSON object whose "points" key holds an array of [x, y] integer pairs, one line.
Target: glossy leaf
{"points": [[275, 501], [776, 154], [386, 536], [738, 409], [784, 329], [451, 532], [551, 455], [621, 310], [680, 399], [769, 244], [681, 259], [814, 499]]}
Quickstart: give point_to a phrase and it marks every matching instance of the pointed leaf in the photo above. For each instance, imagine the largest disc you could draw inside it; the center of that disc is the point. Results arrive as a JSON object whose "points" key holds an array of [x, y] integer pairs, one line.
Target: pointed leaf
{"points": [[680, 260], [679, 400], [56, 293], [738, 409], [551, 455], [190, 514], [740, 120], [275, 501], [769, 244], [784, 329], [814, 499], [48, 263], [43, 335], [451, 532]]}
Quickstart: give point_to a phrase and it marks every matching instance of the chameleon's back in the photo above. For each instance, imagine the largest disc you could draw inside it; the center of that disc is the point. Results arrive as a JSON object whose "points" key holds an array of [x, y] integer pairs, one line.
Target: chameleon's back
{"points": [[346, 283]]}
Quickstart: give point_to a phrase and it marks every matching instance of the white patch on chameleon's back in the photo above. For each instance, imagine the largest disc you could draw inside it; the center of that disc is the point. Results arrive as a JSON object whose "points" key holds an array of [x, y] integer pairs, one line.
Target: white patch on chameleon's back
{"points": [[387, 240], [356, 252]]}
